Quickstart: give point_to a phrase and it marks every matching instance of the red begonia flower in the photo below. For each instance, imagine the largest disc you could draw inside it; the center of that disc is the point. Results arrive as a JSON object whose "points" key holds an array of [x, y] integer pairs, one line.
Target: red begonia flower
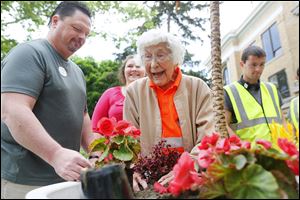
{"points": [[235, 142], [208, 141], [287, 147], [105, 126], [290, 149], [293, 165], [132, 131], [264, 143], [121, 126], [223, 145]]}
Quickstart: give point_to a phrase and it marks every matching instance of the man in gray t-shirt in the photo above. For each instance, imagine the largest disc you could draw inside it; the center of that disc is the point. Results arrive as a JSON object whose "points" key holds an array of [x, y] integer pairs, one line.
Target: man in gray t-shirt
{"points": [[44, 119]]}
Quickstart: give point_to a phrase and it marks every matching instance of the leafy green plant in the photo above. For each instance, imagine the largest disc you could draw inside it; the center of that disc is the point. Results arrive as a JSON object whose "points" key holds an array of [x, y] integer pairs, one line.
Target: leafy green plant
{"points": [[231, 168], [119, 144]]}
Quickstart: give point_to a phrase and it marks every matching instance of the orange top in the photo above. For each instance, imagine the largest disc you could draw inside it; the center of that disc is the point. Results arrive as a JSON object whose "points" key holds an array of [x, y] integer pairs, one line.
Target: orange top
{"points": [[169, 116]]}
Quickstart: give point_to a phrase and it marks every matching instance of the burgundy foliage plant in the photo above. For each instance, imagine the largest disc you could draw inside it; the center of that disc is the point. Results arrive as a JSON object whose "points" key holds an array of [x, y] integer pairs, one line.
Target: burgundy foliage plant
{"points": [[160, 162]]}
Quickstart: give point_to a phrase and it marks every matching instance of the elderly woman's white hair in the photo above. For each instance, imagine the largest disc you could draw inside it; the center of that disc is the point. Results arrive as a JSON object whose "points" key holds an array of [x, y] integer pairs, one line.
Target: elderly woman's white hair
{"points": [[154, 37]]}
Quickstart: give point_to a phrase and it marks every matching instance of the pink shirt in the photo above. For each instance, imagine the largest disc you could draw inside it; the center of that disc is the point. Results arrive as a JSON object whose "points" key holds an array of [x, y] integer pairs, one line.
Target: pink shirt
{"points": [[109, 105]]}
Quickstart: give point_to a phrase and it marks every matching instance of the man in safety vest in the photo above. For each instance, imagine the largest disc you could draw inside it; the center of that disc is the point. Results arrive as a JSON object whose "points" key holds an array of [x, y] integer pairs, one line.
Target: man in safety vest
{"points": [[294, 110], [250, 104]]}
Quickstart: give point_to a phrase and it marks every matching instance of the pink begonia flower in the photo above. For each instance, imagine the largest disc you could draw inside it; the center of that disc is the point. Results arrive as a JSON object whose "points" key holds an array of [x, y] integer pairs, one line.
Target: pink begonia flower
{"points": [[223, 145], [160, 188], [264, 143], [208, 141], [246, 144], [205, 158], [184, 175], [132, 131]]}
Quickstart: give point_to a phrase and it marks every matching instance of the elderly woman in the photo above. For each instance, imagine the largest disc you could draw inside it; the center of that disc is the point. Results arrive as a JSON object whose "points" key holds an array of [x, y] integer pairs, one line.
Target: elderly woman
{"points": [[167, 104]]}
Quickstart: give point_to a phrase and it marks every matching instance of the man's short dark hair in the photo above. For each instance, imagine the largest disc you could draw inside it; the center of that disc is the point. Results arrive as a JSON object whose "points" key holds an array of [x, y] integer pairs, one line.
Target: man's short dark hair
{"points": [[252, 51], [67, 8]]}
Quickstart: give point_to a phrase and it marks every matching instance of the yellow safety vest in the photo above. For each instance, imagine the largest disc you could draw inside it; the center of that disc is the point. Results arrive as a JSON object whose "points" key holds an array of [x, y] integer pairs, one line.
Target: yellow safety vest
{"points": [[294, 111], [252, 118]]}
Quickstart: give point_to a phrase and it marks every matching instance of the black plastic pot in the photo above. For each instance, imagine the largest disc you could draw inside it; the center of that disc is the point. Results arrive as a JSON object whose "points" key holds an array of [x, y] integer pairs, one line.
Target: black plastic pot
{"points": [[108, 182]]}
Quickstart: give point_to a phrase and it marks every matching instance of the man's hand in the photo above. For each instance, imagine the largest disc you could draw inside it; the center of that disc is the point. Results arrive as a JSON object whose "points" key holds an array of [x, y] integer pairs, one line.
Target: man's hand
{"points": [[68, 164], [137, 180]]}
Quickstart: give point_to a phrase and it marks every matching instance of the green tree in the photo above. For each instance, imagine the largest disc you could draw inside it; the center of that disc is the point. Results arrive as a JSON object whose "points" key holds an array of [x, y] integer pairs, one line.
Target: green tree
{"points": [[186, 19], [30, 14], [142, 16], [99, 77]]}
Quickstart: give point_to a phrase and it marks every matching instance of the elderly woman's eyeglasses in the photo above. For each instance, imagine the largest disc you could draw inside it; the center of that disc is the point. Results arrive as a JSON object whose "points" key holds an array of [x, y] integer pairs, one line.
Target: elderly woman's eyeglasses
{"points": [[161, 57]]}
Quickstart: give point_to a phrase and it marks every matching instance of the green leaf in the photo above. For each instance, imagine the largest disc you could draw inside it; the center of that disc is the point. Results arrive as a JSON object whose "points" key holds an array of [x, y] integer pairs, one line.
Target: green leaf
{"points": [[225, 160], [253, 182], [212, 190], [130, 139], [118, 139], [240, 161], [274, 154], [124, 153], [105, 153], [97, 145], [136, 147], [217, 171], [250, 158], [284, 176]]}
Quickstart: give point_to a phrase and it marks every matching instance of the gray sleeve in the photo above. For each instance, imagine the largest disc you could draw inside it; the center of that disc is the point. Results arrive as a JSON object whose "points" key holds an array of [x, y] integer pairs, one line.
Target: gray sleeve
{"points": [[280, 98], [227, 102], [289, 116], [228, 106], [22, 71]]}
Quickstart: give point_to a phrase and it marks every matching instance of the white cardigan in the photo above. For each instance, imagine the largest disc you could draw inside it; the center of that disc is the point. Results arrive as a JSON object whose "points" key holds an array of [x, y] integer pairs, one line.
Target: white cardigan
{"points": [[194, 106]]}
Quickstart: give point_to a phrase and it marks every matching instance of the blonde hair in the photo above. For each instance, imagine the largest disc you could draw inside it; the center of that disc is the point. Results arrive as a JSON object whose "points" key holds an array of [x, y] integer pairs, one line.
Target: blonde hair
{"points": [[121, 74]]}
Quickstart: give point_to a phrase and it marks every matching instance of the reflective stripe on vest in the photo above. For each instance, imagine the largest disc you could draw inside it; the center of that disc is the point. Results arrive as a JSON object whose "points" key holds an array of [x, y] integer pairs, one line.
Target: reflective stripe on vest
{"points": [[251, 120], [294, 110]]}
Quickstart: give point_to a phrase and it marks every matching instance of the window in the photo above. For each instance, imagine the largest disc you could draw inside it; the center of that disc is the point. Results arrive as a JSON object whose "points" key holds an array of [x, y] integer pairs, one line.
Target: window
{"points": [[280, 80], [271, 42], [226, 76]]}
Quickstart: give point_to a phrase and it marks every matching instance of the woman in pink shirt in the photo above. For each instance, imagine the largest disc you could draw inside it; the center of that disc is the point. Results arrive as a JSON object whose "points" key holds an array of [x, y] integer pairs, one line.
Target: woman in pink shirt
{"points": [[111, 101]]}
